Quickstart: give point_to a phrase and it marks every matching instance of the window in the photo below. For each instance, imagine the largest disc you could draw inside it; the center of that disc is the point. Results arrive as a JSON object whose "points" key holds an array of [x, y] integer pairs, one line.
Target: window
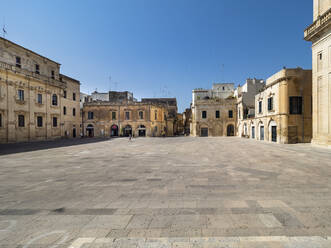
{"points": [[53, 75], [270, 103], [20, 94], [260, 107], [54, 121], [64, 110], [74, 112], [223, 88], [0, 120], [54, 100], [40, 98], [141, 115], [37, 69], [90, 115], [127, 115], [295, 105], [155, 114], [217, 114], [319, 61], [204, 114], [39, 121], [230, 114], [18, 62], [239, 113], [113, 115], [64, 94], [74, 96], [21, 121]]}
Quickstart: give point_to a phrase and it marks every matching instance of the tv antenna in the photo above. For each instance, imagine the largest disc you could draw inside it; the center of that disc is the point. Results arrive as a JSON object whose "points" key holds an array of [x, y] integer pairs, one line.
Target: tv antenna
{"points": [[4, 31]]}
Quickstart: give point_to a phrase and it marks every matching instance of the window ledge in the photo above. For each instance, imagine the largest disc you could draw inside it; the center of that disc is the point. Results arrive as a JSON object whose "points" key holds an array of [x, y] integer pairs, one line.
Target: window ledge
{"points": [[22, 102]]}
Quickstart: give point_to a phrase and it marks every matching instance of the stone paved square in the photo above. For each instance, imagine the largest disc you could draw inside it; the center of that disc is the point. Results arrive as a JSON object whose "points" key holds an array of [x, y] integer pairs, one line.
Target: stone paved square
{"points": [[165, 192]]}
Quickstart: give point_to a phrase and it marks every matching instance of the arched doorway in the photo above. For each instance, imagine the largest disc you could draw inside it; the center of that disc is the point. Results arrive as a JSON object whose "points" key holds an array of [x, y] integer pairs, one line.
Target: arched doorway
{"points": [[230, 130], [141, 131], [90, 130], [127, 131], [114, 130], [74, 132], [273, 131]]}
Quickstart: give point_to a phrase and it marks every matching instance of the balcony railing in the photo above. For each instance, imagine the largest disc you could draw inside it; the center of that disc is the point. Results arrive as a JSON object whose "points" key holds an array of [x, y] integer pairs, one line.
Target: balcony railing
{"points": [[322, 22], [31, 74]]}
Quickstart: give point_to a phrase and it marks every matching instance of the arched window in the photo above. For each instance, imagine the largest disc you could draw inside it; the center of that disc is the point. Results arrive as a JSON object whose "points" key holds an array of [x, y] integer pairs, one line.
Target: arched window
{"points": [[74, 112], [64, 110], [54, 100]]}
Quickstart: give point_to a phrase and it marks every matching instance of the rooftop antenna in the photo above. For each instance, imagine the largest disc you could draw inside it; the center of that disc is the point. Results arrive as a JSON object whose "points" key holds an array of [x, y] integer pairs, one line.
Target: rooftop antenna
{"points": [[4, 32], [110, 83]]}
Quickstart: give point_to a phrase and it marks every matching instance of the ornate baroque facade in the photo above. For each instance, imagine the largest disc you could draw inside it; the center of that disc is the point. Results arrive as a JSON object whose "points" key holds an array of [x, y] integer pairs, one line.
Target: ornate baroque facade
{"points": [[319, 33], [36, 101]]}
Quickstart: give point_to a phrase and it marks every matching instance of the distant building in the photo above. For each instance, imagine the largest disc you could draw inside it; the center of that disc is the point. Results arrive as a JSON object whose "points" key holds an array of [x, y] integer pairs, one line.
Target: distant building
{"points": [[97, 96], [171, 104], [283, 110], [187, 120], [319, 33], [117, 96], [218, 91], [245, 95], [214, 111], [37, 102], [137, 119]]}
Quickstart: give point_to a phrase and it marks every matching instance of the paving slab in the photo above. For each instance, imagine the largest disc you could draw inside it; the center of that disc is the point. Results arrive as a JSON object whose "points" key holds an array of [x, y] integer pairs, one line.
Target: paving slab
{"points": [[165, 192]]}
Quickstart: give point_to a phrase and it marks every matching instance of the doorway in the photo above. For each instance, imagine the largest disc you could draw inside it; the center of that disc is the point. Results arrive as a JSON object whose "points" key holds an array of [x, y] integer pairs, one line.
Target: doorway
{"points": [[114, 131], [253, 132], [74, 133], [204, 132], [230, 130], [274, 133], [90, 130], [128, 131], [261, 132], [141, 131]]}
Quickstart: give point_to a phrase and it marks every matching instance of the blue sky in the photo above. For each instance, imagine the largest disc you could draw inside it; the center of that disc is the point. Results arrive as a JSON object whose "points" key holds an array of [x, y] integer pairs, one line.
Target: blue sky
{"points": [[163, 48]]}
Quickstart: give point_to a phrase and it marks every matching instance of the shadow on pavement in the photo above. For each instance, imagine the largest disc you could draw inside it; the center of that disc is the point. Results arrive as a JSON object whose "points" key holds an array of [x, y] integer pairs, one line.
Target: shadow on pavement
{"points": [[12, 148]]}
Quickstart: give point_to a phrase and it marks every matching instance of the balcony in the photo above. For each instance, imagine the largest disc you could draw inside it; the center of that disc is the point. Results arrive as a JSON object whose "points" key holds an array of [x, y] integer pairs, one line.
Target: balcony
{"points": [[319, 25], [31, 74]]}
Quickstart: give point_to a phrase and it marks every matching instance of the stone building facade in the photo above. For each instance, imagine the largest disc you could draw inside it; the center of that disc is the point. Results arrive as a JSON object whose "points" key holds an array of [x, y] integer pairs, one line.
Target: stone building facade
{"points": [[172, 109], [36, 101], [245, 95], [214, 115], [283, 110], [110, 119], [319, 33]]}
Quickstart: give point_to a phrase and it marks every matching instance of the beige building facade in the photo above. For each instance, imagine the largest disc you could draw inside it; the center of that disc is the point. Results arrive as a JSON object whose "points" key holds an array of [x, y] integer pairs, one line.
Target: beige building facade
{"points": [[319, 33], [214, 112], [245, 95], [32, 97], [283, 110], [136, 119]]}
